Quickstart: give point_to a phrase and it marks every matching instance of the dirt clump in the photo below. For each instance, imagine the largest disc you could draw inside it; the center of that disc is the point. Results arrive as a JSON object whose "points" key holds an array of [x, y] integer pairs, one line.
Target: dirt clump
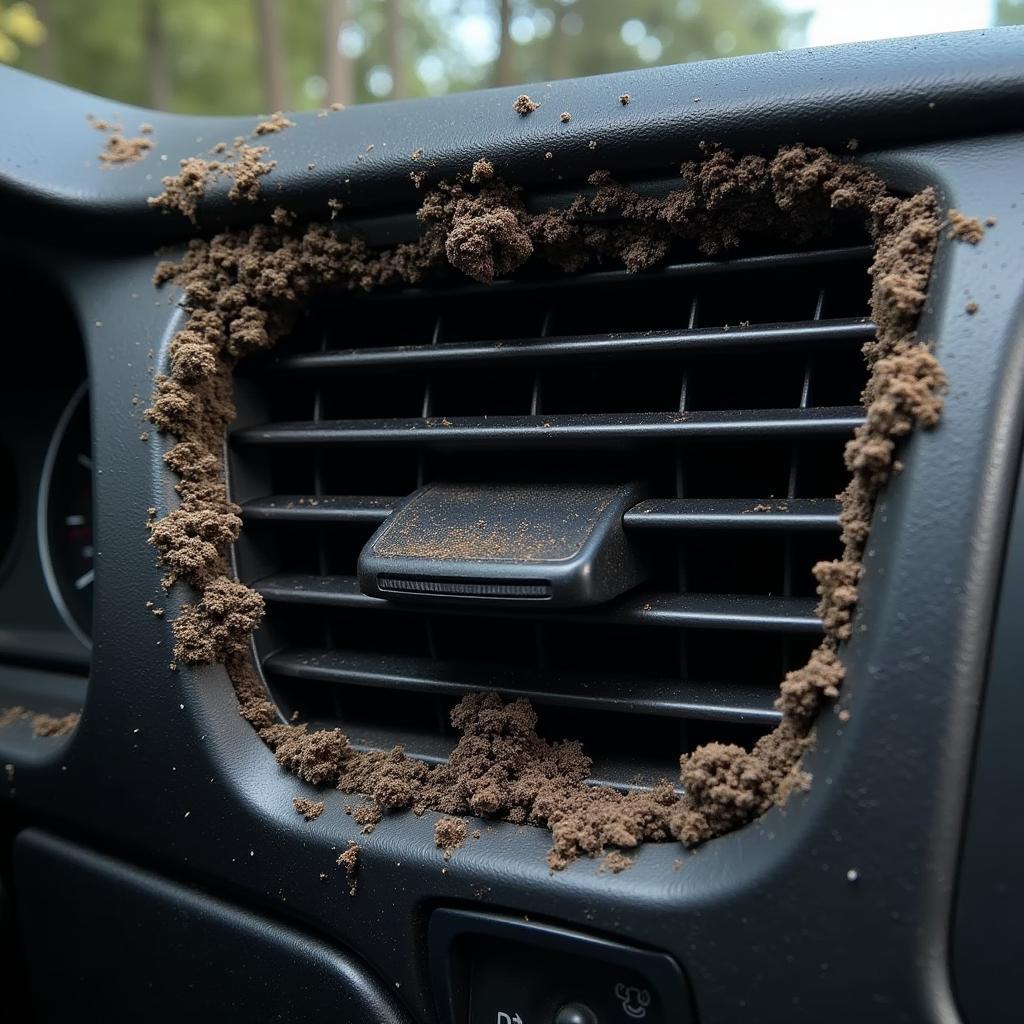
{"points": [[523, 105], [277, 122], [309, 809], [483, 170], [449, 835], [121, 150], [243, 291], [54, 725], [964, 228], [624, 99]]}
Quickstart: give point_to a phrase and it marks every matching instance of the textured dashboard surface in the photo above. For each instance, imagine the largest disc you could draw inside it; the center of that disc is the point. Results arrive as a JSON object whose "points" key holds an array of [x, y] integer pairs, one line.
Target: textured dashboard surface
{"points": [[883, 93]]}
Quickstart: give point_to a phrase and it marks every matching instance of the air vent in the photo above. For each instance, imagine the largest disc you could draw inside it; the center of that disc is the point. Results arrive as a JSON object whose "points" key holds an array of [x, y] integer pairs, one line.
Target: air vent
{"points": [[728, 387]]}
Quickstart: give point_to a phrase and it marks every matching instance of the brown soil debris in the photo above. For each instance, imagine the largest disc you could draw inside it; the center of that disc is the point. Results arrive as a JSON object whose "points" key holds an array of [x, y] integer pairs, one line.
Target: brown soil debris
{"points": [[309, 809], [449, 835], [971, 307], [483, 170], [565, 117], [523, 105], [277, 122], [119, 150], [624, 99], [243, 164], [43, 725], [616, 862], [243, 292], [349, 860], [964, 228]]}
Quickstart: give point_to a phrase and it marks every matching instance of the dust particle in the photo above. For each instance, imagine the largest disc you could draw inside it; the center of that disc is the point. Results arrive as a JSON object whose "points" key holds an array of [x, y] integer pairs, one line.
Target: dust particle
{"points": [[565, 117], [971, 307], [624, 99]]}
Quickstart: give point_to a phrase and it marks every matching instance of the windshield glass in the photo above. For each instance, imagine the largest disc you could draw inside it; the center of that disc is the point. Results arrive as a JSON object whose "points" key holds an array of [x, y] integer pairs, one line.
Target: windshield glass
{"points": [[251, 56]]}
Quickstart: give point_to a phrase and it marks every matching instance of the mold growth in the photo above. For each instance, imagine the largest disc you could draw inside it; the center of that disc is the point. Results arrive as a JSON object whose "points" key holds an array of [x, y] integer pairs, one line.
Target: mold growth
{"points": [[244, 290]]}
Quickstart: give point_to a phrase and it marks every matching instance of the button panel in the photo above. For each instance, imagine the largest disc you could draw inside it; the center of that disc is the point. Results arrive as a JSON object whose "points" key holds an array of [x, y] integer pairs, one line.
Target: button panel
{"points": [[493, 970]]}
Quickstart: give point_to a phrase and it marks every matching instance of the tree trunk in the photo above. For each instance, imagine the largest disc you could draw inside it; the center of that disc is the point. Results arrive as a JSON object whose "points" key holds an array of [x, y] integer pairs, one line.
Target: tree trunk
{"points": [[503, 67], [559, 53], [339, 70], [396, 50], [45, 57], [156, 57], [275, 85]]}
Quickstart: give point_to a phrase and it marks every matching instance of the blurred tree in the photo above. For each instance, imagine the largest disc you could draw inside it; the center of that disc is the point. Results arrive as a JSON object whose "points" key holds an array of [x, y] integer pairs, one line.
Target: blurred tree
{"points": [[339, 68], [1010, 12], [19, 25], [198, 56], [398, 58], [503, 65], [156, 57], [275, 87]]}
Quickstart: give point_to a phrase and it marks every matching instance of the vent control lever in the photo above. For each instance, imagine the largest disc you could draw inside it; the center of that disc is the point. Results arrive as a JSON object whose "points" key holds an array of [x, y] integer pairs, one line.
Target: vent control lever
{"points": [[559, 544]]}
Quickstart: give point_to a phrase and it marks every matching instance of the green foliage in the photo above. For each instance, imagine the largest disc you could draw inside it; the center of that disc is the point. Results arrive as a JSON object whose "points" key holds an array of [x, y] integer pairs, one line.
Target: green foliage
{"points": [[19, 27], [204, 56], [1010, 12]]}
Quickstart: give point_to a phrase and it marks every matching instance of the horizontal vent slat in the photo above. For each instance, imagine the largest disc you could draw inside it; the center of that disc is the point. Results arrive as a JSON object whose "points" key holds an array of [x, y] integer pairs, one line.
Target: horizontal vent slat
{"points": [[713, 339], [561, 431], [707, 611], [719, 702], [307, 508], [734, 514], [655, 514], [854, 254]]}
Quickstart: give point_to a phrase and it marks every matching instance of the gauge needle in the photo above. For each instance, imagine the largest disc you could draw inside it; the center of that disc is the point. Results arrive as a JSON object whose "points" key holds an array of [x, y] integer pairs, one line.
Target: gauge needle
{"points": [[85, 579]]}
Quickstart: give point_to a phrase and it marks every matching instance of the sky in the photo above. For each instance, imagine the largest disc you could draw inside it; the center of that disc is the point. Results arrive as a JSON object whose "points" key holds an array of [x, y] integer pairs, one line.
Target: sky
{"points": [[849, 21]]}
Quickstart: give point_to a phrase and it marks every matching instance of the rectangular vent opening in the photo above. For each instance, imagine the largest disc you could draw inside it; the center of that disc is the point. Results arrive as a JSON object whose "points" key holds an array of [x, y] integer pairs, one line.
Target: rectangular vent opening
{"points": [[728, 388]]}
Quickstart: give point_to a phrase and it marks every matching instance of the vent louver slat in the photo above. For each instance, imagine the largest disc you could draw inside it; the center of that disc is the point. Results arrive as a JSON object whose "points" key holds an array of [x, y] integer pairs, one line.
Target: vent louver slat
{"points": [[715, 611], [728, 388]]}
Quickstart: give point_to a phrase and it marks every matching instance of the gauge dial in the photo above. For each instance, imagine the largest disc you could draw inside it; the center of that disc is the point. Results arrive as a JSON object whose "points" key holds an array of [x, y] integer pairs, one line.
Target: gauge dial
{"points": [[65, 517]]}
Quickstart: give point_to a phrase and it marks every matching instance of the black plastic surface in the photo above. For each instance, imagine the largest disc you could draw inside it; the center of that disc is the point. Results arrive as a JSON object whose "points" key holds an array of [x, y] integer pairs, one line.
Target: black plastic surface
{"points": [[488, 969], [767, 921], [108, 942], [989, 922], [562, 545]]}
